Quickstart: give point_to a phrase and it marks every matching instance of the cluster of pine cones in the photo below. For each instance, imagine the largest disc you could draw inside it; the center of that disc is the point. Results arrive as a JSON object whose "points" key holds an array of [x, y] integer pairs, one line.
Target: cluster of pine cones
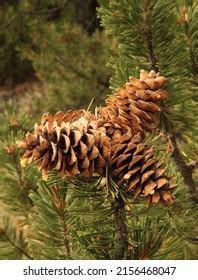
{"points": [[82, 143]]}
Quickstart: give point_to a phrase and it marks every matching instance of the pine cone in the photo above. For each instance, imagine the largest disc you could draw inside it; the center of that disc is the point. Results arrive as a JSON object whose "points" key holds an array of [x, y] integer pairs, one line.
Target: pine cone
{"points": [[133, 166], [134, 106], [81, 143], [71, 148]]}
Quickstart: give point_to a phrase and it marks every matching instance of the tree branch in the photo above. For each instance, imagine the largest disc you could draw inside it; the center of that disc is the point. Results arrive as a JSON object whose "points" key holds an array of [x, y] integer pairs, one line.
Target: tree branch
{"points": [[17, 169], [59, 201], [65, 228], [185, 169], [34, 13], [17, 247], [188, 42], [149, 38], [152, 56], [121, 231]]}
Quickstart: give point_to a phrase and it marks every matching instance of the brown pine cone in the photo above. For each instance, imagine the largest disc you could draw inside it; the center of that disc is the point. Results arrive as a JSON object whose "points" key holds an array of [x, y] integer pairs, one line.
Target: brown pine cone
{"points": [[71, 148], [133, 167], [81, 143], [134, 106]]}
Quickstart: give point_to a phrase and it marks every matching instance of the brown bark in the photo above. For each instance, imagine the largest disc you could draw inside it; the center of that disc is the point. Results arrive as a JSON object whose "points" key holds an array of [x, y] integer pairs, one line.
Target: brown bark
{"points": [[185, 169], [121, 231]]}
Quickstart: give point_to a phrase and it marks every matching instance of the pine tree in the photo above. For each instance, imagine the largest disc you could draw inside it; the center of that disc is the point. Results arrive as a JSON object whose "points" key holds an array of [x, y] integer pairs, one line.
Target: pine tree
{"points": [[97, 217]]}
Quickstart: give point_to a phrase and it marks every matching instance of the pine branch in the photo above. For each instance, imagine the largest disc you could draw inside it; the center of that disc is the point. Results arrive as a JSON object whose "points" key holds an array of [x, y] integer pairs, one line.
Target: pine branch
{"points": [[121, 231], [49, 228], [149, 38], [13, 244], [188, 16], [59, 200], [11, 20], [20, 249], [16, 182], [15, 164], [33, 13], [184, 168], [94, 228]]}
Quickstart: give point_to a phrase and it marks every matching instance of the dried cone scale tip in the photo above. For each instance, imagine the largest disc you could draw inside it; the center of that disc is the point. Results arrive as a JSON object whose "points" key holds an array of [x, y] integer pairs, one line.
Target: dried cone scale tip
{"points": [[82, 143]]}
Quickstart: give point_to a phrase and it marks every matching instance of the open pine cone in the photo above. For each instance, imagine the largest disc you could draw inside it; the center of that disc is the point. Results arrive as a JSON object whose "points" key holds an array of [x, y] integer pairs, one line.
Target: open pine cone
{"points": [[71, 147], [81, 143], [134, 106], [133, 166]]}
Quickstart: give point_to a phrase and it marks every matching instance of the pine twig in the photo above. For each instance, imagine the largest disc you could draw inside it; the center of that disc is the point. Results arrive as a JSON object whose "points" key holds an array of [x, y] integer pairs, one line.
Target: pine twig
{"points": [[66, 239], [149, 39], [189, 45], [185, 169], [33, 13], [17, 247], [121, 231], [59, 201], [18, 171]]}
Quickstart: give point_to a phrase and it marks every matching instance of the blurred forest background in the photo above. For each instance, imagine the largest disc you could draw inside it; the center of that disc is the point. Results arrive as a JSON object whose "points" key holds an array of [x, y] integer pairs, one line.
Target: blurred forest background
{"points": [[54, 56]]}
